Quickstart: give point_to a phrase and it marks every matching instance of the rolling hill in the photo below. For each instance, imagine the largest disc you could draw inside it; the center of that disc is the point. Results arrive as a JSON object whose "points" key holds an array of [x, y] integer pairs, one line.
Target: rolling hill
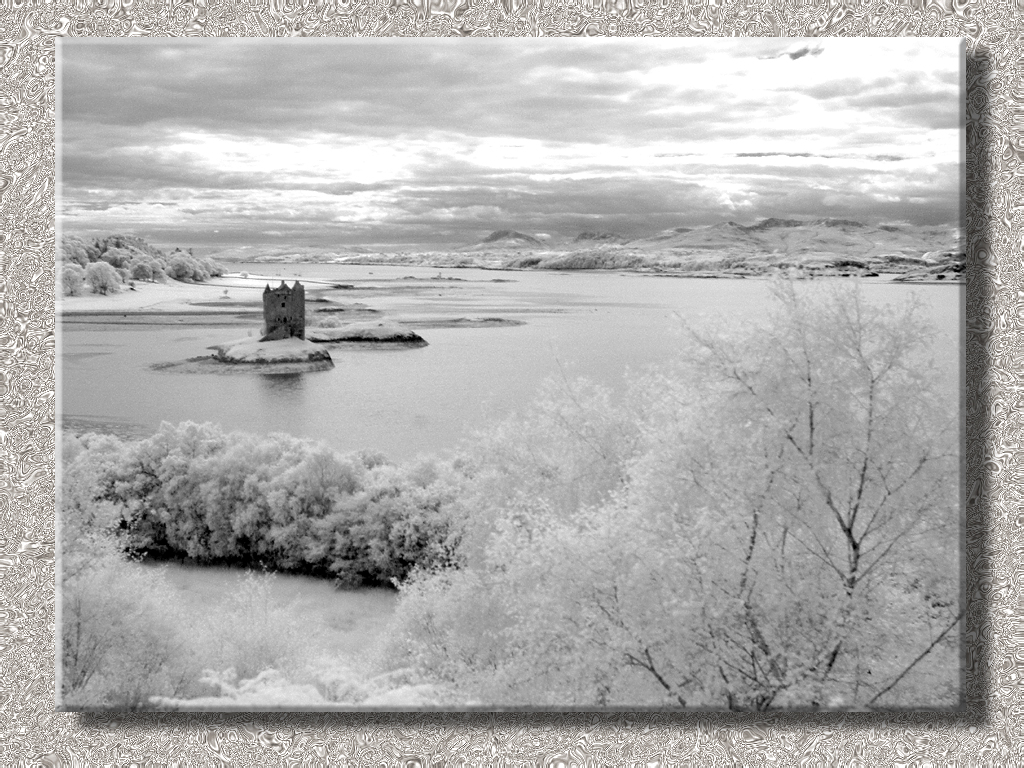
{"points": [[812, 247]]}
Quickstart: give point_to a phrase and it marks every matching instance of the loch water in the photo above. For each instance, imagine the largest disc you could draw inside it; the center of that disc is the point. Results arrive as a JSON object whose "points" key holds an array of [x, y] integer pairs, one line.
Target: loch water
{"points": [[406, 401]]}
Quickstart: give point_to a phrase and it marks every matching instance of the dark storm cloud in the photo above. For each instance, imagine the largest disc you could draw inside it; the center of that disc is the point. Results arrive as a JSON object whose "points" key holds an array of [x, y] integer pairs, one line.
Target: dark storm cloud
{"points": [[429, 139], [914, 100], [879, 158], [147, 172], [799, 53], [933, 111], [386, 89]]}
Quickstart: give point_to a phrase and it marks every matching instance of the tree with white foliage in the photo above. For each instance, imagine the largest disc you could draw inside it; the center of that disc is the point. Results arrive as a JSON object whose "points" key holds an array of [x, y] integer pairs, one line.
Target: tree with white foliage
{"points": [[102, 278], [782, 533], [72, 278]]}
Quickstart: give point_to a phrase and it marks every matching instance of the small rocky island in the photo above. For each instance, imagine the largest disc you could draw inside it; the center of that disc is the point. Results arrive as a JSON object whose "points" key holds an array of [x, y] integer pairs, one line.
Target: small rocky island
{"points": [[287, 341], [284, 334], [374, 331]]}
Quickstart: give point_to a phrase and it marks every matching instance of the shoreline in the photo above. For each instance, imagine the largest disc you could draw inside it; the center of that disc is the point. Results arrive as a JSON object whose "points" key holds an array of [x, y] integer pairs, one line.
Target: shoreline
{"points": [[238, 290], [241, 291]]}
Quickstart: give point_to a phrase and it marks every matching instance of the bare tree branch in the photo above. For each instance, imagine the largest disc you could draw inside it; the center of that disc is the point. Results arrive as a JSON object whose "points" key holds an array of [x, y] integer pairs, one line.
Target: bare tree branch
{"points": [[913, 664]]}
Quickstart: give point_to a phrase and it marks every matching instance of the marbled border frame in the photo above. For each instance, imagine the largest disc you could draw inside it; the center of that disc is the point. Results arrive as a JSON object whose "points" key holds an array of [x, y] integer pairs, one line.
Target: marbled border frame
{"points": [[991, 729]]}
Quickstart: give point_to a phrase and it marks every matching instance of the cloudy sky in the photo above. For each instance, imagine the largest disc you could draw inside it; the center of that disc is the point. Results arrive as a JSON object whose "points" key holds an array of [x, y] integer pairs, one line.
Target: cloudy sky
{"points": [[420, 143]]}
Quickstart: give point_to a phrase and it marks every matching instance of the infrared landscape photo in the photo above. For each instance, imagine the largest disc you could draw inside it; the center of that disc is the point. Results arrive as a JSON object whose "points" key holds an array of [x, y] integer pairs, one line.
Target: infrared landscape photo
{"points": [[488, 374]]}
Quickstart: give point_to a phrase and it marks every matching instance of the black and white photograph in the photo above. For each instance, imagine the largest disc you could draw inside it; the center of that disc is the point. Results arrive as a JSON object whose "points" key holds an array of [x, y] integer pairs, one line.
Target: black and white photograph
{"points": [[491, 374]]}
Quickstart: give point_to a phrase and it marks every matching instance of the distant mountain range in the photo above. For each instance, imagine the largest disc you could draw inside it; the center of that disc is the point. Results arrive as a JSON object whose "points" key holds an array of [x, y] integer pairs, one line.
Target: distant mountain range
{"points": [[505, 238], [294, 254], [820, 246], [792, 238]]}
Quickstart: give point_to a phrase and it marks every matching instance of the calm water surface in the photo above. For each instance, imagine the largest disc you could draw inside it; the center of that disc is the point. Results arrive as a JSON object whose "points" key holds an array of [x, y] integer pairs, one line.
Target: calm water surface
{"points": [[409, 401]]}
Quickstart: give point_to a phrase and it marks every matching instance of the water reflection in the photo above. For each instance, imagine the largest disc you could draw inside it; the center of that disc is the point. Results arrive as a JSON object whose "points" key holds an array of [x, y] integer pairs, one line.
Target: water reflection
{"points": [[282, 406], [276, 384]]}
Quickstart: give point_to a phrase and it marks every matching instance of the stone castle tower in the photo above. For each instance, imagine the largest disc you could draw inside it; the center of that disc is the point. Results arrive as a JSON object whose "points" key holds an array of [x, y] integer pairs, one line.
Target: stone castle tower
{"points": [[284, 312]]}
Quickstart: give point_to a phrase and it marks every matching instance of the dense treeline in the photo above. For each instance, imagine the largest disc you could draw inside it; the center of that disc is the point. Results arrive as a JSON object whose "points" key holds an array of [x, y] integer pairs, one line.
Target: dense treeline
{"points": [[274, 501], [266, 503], [106, 264]]}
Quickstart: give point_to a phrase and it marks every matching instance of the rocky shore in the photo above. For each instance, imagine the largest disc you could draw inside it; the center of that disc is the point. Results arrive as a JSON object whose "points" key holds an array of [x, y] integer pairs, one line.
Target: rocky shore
{"points": [[254, 352], [382, 331]]}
